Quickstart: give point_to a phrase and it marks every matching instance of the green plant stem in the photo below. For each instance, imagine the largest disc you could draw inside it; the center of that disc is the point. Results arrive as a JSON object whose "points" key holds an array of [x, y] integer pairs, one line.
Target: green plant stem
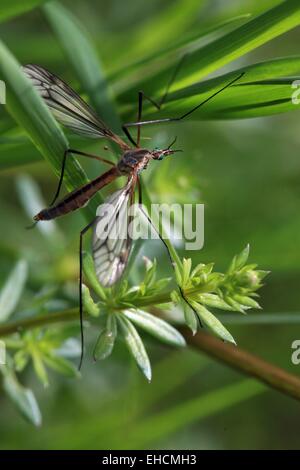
{"points": [[235, 357], [38, 321]]}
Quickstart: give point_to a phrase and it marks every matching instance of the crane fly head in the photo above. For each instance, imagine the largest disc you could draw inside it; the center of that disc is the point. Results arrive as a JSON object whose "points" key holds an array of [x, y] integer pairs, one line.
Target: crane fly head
{"points": [[159, 154]]}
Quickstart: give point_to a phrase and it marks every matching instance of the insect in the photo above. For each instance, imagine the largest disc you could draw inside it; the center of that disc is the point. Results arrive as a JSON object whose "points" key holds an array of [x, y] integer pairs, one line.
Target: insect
{"points": [[110, 256]]}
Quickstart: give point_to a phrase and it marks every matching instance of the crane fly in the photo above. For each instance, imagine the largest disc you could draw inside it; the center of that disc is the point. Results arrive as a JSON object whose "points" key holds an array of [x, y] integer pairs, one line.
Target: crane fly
{"points": [[110, 257]]}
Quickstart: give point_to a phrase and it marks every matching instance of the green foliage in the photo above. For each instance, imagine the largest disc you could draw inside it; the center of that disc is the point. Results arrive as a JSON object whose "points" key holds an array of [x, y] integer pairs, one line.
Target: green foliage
{"points": [[204, 288], [17, 7], [136, 346], [221, 51], [156, 327], [201, 287], [264, 89], [12, 290], [32, 114], [83, 58], [41, 346], [106, 340], [23, 398]]}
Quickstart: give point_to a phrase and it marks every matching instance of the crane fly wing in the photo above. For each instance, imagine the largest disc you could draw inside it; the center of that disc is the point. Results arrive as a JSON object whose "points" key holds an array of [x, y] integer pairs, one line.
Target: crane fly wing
{"points": [[111, 240], [66, 105]]}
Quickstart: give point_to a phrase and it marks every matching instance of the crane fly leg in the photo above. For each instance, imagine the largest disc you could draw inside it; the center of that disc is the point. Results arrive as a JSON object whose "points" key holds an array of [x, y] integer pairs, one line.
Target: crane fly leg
{"points": [[156, 104], [183, 116], [182, 294], [76, 152], [83, 231]]}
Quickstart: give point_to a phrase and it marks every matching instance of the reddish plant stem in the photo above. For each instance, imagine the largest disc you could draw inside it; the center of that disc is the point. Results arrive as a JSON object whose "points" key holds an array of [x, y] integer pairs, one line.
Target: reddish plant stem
{"points": [[245, 362]]}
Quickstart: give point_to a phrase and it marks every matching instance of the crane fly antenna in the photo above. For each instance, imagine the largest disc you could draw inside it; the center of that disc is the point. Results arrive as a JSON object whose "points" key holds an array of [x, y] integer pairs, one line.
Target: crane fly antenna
{"points": [[171, 145]]}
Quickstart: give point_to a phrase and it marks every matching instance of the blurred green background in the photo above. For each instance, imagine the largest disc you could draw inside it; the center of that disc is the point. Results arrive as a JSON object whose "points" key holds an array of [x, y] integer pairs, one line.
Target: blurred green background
{"points": [[246, 173]]}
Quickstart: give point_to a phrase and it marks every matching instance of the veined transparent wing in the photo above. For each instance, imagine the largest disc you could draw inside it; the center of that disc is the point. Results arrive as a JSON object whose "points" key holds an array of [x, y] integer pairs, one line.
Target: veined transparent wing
{"points": [[111, 240], [66, 105]]}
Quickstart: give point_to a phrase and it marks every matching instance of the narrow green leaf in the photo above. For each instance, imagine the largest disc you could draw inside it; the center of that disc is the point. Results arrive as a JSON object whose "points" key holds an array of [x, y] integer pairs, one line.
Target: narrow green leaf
{"points": [[136, 346], [229, 47], [213, 300], [21, 359], [32, 200], [156, 327], [12, 290], [235, 305], [261, 274], [186, 271], [28, 109], [150, 275], [88, 303], [83, 57], [246, 302], [11, 9], [31, 113], [106, 340], [212, 323], [264, 89], [61, 365], [241, 258], [127, 77], [22, 397], [39, 367], [190, 318], [178, 273]]}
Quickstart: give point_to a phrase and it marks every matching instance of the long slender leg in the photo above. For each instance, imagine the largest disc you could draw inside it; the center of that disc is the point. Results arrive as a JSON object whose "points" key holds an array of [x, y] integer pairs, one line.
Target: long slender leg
{"points": [[140, 190], [141, 96], [156, 104], [172, 80], [77, 152], [83, 231], [182, 294], [128, 135], [139, 117], [160, 121]]}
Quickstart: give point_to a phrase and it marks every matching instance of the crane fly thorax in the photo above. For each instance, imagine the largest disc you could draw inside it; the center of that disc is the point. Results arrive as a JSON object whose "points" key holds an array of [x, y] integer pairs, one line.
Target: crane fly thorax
{"points": [[134, 160]]}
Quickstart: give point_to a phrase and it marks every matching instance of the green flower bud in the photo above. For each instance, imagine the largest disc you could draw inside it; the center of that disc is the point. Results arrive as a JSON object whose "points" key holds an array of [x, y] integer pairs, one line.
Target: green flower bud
{"points": [[249, 279]]}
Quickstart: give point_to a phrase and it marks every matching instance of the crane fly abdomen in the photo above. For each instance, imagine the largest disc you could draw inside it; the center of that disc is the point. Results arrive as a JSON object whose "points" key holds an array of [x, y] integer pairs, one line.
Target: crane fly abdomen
{"points": [[79, 197]]}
